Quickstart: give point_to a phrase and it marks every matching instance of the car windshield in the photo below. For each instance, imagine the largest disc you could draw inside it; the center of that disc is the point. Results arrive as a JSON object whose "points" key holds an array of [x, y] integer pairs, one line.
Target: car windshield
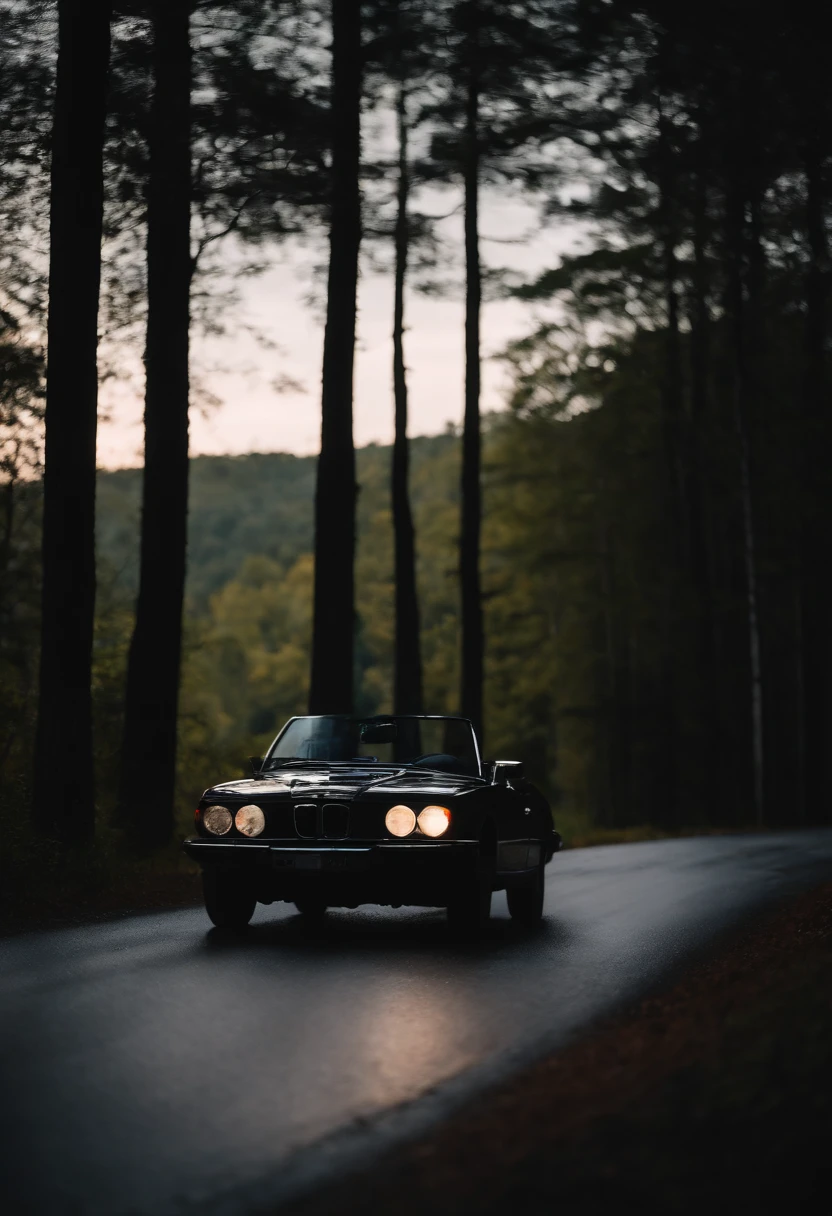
{"points": [[444, 744]]}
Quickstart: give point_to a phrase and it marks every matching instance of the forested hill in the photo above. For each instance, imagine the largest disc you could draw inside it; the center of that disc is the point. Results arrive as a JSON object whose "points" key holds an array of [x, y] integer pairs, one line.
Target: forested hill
{"points": [[249, 596], [583, 607], [259, 504]]}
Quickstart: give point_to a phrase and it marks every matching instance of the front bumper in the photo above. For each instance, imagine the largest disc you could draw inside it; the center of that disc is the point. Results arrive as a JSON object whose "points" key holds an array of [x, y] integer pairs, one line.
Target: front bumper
{"points": [[383, 872]]}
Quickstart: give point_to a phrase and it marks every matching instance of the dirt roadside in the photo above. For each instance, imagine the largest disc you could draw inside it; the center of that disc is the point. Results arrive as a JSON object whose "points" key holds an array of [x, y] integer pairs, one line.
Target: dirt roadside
{"points": [[713, 1096]]}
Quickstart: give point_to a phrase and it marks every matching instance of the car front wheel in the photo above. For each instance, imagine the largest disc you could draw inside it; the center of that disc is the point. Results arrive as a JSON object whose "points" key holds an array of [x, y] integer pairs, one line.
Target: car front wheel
{"points": [[525, 904], [469, 911], [228, 902]]}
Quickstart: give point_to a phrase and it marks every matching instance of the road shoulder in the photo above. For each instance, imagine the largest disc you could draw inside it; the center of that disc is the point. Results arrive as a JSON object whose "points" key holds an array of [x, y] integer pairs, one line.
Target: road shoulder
{"points": [[715, 1093]]}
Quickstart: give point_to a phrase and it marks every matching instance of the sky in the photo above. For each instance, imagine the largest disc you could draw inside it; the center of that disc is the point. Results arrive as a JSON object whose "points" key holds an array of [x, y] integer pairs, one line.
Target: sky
{"points": [[248, 414]]}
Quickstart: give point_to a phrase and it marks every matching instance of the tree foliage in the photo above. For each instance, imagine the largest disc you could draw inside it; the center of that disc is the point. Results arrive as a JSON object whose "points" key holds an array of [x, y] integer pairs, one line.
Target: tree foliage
{"points": [[655, 561]]}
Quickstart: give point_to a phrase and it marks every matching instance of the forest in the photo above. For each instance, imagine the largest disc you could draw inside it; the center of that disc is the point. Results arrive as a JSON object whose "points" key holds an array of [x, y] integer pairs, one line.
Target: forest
{"points": [[623, 576]]}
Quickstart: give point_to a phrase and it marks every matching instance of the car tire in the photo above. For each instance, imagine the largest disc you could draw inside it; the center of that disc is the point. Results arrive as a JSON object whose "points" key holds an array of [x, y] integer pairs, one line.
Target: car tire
{"points": [[469, 911], [311, 909], [228, 901], [525, 904]]}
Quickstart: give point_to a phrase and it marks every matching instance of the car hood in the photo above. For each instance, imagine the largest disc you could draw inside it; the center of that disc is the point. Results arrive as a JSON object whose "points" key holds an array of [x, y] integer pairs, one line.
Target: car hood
{"points": [[347, 783]]}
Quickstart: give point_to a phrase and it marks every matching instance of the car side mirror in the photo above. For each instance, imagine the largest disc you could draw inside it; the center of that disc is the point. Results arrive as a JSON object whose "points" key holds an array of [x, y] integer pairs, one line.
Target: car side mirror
{"points": [[506, 772], [256, 763]]}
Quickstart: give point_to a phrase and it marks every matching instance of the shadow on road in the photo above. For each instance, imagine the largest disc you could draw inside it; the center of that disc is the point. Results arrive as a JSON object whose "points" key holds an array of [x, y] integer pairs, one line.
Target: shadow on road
{"points": [[347, 931]]}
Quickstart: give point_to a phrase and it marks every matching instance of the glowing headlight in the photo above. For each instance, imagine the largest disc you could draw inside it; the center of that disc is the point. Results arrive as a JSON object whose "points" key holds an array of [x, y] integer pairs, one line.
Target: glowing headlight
{"points": [[217, 820], [434, 820], [400, 820], [250, 820]]}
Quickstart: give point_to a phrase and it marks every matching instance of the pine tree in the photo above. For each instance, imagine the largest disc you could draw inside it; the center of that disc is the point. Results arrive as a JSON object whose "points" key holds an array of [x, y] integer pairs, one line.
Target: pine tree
{"points": [[407, 659], [473, 641], [152, 696], [331, 688], [64, 797], [500, 58]]}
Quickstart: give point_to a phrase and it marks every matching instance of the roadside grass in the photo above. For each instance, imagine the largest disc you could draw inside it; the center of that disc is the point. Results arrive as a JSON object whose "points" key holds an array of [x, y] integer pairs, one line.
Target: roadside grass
{"points": [[579, 832], [715, 1096], [43, 886]]}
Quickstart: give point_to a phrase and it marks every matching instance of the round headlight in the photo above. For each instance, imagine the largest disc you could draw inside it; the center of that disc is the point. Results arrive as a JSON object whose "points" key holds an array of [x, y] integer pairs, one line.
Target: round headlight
{"points": [[400, 820], [217, 820], [434, 820], [250, 820]]}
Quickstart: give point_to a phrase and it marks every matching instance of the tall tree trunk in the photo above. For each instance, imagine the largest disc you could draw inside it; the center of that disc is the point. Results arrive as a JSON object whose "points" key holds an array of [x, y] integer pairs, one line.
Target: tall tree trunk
{"points": [[752, 397], [752, 602], [152, 699], [673, 382], [64, 796], [472, 623], [815, 542], [9, 504], [331, 689], [700, 327], [676, 521], [407, 678], [698, 481], [741, 401]]}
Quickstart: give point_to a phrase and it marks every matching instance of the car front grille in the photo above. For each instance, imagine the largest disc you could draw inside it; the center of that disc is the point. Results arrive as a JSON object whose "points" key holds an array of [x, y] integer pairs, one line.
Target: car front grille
{"points": [[335, 820], [322, 821]]}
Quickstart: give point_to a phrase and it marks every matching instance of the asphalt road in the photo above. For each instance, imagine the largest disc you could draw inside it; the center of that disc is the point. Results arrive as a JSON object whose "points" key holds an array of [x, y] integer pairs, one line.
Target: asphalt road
{"points": [[150, 1065]]}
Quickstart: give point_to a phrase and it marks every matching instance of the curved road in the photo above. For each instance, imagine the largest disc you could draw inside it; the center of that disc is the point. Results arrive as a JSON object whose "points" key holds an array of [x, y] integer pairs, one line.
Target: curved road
{"points": [[150, 1065]]}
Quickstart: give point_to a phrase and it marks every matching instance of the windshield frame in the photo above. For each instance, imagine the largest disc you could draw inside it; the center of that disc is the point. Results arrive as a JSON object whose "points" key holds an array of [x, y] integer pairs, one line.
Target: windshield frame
{"points": [[288, 761]]}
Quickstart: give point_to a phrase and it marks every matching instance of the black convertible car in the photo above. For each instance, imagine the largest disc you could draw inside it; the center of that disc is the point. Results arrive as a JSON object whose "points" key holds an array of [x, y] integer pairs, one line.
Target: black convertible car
{"points": [[387, 810]]}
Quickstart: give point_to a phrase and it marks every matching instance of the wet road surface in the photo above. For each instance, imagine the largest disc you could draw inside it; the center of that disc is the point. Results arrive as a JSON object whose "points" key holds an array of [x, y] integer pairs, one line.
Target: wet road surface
{"points": [[152, 1065]]}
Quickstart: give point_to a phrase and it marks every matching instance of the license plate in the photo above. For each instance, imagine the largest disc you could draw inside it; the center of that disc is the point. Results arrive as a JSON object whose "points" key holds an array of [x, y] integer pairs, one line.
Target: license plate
{"points": [[310, 861], [291, 859]]}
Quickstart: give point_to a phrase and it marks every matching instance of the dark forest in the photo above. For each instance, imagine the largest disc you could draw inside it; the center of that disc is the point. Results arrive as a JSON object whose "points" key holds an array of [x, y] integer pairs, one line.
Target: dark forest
{"points": [[623, 577]]}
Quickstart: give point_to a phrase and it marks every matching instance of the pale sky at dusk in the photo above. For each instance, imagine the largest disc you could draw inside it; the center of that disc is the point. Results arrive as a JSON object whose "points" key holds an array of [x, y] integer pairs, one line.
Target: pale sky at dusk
{"points": [[252, 416]]}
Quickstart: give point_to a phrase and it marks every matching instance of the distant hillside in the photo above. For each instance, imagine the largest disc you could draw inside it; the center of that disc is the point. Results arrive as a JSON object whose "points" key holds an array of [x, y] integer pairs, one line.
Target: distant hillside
{"points": [[259, 504]]}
